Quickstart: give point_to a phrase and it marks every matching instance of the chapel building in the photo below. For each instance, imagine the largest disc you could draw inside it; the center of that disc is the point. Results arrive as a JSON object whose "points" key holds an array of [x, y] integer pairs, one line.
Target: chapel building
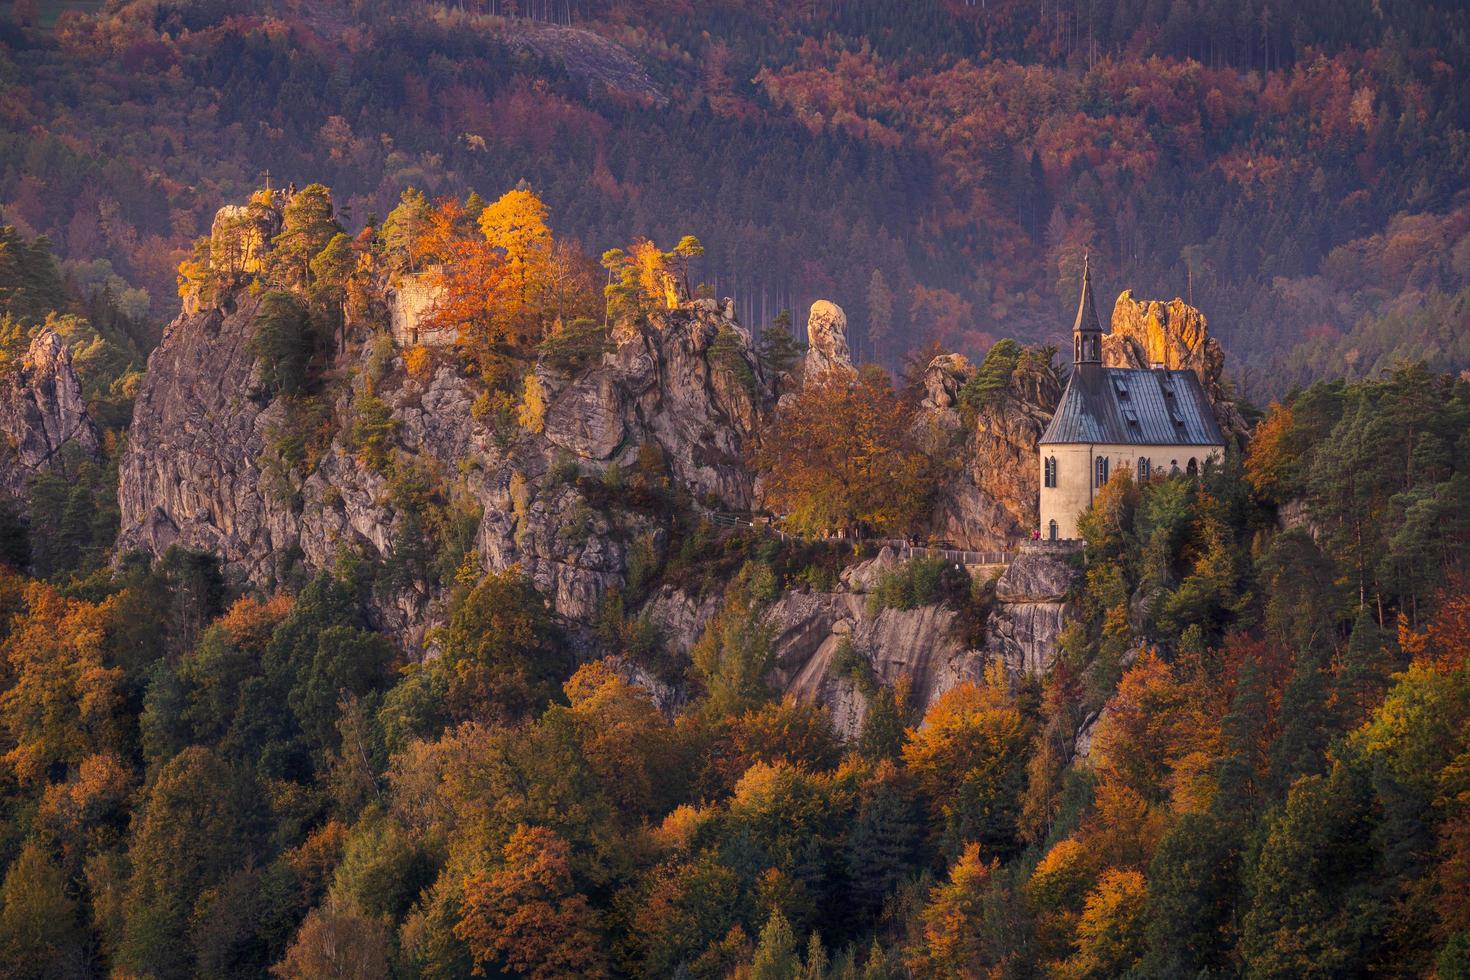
{"points": [[1152, 421]]}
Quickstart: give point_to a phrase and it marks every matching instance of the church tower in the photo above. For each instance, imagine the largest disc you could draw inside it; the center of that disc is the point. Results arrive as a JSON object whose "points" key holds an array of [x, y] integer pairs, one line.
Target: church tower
{"points": [[1087, 331]]}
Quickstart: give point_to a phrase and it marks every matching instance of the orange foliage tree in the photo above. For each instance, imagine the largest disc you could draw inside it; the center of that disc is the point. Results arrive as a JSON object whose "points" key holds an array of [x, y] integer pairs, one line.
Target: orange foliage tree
{"points": [[969, 760], [64, 703], [527, 915], [840, 457]]}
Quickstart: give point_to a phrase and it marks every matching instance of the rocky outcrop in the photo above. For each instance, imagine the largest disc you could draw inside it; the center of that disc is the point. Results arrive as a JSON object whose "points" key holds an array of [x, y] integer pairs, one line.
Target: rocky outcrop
{"points": [[826, 333], [197, 470], [190, 474], [943, 379], [920, 645], [1173, 335], [41, 411], [992, 499], [1031, 607]]}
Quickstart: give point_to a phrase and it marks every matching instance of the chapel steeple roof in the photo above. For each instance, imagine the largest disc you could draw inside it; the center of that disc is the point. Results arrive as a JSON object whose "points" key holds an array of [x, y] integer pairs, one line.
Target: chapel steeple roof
{"points": [[1087, 331]]}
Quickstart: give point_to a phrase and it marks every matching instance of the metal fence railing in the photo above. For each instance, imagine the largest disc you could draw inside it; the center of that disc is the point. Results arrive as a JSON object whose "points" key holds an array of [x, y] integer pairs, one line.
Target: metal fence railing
{"points": [[905, 548]]}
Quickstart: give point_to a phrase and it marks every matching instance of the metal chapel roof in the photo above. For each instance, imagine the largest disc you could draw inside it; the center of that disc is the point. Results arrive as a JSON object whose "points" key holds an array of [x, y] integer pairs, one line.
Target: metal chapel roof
{"points": [[1132, 406]]}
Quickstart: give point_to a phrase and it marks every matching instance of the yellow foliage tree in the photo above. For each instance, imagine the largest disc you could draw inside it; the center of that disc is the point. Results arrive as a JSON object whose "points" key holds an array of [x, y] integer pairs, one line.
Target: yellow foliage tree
{"points": [[516, 225], [64, 703], [973, 740], [1110, 932], [952, 943]]}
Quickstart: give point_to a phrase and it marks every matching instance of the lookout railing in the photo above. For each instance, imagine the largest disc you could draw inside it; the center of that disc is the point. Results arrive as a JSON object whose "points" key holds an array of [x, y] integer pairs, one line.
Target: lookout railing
{"points": [[906, 549]]}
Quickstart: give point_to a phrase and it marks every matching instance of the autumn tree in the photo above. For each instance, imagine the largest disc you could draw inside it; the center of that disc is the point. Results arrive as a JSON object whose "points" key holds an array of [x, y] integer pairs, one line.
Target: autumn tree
{"points": [[469, 282], [62, 702], [500, 650], [38, 919], [952, 943], [969, 760], [838, 457], [527, 915], [1110, 932], [336, 941], [515, 226]]}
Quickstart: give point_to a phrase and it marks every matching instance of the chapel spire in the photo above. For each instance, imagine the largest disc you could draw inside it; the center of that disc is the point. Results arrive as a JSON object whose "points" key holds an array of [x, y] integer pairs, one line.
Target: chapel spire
{"points": [[1087, 331]]}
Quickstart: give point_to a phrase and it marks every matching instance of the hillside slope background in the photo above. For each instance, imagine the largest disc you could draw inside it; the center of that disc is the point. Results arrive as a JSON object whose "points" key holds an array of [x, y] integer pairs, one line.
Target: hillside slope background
{"points": [[938, 168]]}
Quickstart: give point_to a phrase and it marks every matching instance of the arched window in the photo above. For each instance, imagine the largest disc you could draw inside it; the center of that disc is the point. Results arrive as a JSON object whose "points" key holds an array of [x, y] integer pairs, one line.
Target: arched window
{"points": [[1049, 472], [1145, 469], [1193, 468], [1051, 531], [1102, 470]]}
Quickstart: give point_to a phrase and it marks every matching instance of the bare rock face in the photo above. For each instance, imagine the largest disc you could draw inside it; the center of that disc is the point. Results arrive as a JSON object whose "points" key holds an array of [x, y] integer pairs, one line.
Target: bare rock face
{"points": [[41, 411], [190, 474], [943, 379], [587, 419], [195, 472], [826, 332], [1031, 608], [1173, 335], [992, 500], [920, 646]]}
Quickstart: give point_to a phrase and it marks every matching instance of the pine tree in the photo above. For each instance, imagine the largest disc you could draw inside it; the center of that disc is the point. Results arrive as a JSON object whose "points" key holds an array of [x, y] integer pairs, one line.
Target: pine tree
{"points": [[775, 955]]}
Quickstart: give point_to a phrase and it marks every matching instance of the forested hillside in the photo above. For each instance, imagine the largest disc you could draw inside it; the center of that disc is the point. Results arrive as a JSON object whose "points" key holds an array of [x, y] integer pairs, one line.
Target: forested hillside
{"points": [[1245, 754], [397, 582], [938, 168]]}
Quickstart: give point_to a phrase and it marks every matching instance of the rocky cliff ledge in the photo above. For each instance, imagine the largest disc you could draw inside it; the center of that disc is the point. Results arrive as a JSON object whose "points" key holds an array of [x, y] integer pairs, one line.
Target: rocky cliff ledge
{"points": [[41, 412], [992, 498], [1032, 607], [195, 471]]}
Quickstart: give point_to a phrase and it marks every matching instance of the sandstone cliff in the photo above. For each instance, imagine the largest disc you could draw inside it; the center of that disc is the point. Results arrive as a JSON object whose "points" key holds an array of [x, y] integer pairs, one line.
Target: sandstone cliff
{"points": [[1174, 335], [673, 404], [41, 412], [991, 500], [194, 472]]}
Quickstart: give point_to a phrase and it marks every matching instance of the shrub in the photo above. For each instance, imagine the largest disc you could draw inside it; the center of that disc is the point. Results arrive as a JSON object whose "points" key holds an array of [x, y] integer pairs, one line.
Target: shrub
{"points": [[372, 431], [531, 415], [564, 469], [418, 362], [571, 347], [283, 343], [920, 582]]}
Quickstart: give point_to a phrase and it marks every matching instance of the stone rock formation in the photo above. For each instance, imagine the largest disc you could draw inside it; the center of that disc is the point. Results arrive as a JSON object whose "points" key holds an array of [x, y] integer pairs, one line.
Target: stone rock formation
{"points": [[918, 644], [826, 332], [1031, 607], [41, 411], [992, 499], [943, 379], [193, 473], [1173, 335]]}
